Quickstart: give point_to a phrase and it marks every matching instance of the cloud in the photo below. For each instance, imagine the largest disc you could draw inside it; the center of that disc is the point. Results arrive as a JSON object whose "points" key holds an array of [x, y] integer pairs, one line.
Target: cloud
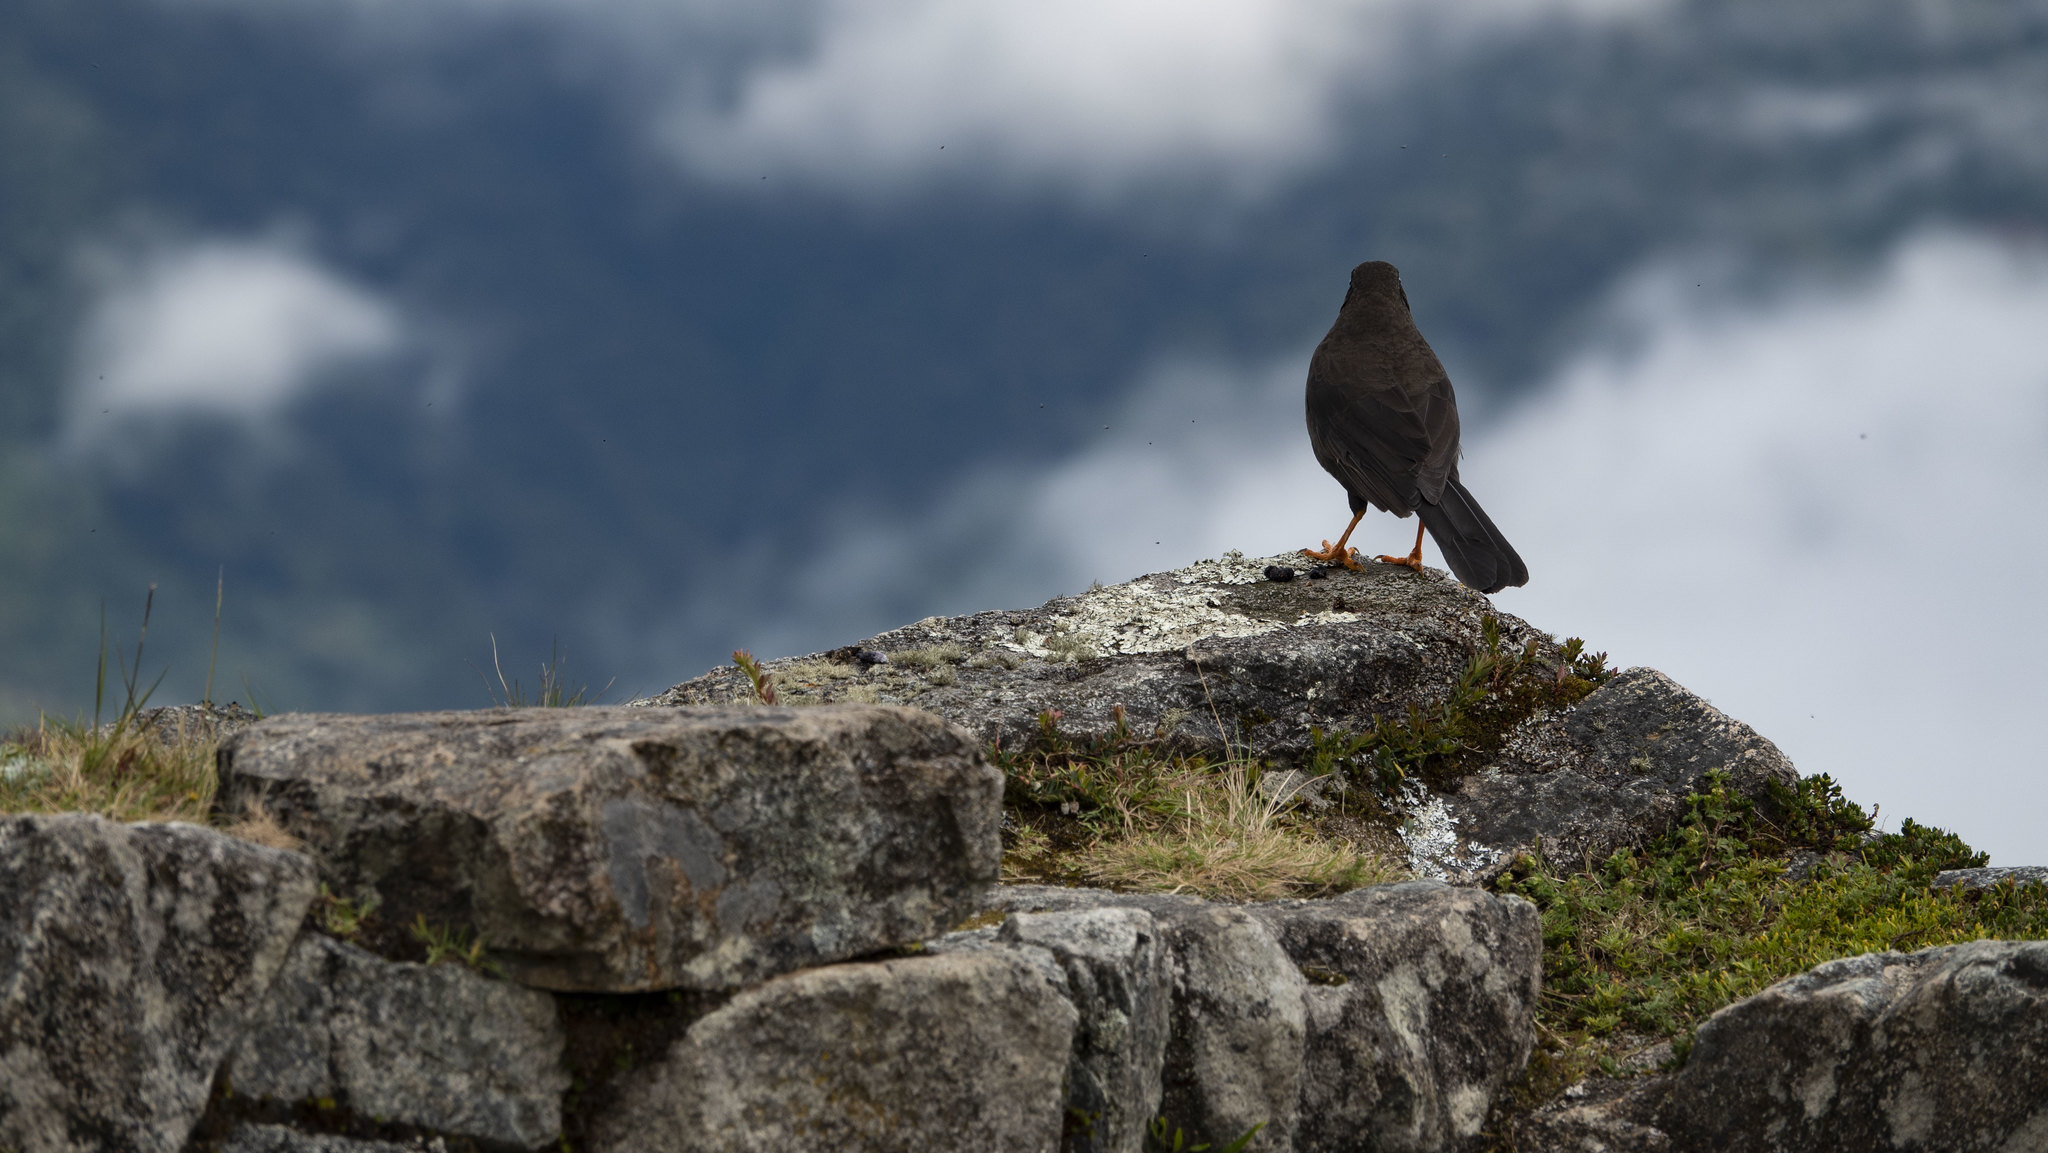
{"points": [[233, 328], [1096, 97], [1090, 94], [1823, 511]]}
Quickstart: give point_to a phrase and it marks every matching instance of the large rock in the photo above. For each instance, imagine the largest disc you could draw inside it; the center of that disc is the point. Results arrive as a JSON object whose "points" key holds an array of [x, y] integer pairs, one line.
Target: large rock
{"points": [[1388, 1018], [132, 957], [1234, 1051], [1175, 649], [435, 1046], [957, 1052], [1933, 1051], [1234, 1060], [1612, 771], [283, 1139], [1218, 658], [1598, 1115], [615, 849], [1114, 965], [1421, 1009]]}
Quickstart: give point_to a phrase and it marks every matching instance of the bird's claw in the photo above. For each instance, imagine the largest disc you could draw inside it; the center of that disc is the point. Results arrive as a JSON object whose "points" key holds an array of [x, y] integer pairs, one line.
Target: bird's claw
{"points": [[1332, 555], [1413, 560]]}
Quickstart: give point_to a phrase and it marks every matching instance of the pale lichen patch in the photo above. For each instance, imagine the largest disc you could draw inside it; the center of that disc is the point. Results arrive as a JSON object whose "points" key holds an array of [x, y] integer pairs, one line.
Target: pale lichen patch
{"points": [[1163, 613], [1233, 568]]}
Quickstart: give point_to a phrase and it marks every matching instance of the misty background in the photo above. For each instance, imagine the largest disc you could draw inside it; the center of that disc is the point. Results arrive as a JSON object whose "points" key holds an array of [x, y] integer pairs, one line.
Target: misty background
{"points": [[656, 329]]}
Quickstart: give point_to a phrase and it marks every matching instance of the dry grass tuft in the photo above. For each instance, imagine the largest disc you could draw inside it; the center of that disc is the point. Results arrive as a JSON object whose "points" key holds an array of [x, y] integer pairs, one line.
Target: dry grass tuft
{"points": [[123, 771], [814, 672], [261, 826], [930, 656], [1229, 841], [1119, 811]]}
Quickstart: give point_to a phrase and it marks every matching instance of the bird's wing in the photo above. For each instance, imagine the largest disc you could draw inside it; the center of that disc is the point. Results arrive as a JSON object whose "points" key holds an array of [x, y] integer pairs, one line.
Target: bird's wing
{"points": [[1389, 435]]}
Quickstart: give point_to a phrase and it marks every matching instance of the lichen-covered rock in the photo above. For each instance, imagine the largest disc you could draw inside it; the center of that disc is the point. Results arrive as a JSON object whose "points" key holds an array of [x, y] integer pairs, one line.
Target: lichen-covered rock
{"points": [[1598, 1115], [435, 1046], [1114, 962], [1611, 771], [957, 1052], [616, 849], [1936, 1051], [1234, 1051], [1421, 1009], [1991, 877], [1175, 650], [1216, 658], [201, 722], [283, 1139], [132, 957]]}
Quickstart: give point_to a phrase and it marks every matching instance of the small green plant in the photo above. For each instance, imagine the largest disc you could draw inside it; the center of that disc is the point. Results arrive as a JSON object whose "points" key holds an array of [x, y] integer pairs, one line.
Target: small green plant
{"points": [[553, 691], [1165, 1137], [764, 684], [342, 917], [220, 589], [130, 677], [446, 945]]}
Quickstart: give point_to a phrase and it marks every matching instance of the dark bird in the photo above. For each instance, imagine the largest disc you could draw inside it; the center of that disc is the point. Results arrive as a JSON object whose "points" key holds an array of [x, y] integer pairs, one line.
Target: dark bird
{"points": [[1384, 422]]}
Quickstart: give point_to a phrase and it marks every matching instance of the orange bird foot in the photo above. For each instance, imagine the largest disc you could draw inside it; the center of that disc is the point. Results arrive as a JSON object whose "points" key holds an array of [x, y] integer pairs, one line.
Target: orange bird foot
{"points": [[1412, 560], [1334, 554], [1337, 553]]}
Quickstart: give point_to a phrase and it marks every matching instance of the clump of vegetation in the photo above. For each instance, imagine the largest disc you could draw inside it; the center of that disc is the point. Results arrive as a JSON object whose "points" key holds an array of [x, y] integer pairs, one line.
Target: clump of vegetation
{"points": [[758, 677], [122, 772], [1162, 1136], [1497, 690], [1648, 943], [122, 769], [930, 656], [343, 918], [1067, 646], [553, 691], [450, 946], [1120, 811]]}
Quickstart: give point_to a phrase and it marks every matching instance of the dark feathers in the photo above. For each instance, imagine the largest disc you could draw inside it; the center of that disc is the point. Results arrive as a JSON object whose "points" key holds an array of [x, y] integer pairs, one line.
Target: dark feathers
{"points": [[1384, 422]]}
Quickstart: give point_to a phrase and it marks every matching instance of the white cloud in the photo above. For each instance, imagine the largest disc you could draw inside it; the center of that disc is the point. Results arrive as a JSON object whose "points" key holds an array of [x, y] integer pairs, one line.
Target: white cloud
{"points": [[1823, 511], [1826, 514], [228, 327], [1098, 97], [1093, 94]]}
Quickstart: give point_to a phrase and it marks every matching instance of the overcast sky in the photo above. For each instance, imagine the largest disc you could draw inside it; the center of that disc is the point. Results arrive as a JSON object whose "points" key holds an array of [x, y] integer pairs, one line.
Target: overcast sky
{"points": [[1812, 493]]}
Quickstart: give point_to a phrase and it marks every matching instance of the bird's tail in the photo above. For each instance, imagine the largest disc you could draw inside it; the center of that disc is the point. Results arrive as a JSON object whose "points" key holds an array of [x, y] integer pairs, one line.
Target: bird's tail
{"points": [[1471, 545]]}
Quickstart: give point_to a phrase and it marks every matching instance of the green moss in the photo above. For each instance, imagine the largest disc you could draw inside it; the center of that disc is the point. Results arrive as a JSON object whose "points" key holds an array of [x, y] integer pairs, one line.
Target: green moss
{"points": [[1497, 690], [1650, 942]]}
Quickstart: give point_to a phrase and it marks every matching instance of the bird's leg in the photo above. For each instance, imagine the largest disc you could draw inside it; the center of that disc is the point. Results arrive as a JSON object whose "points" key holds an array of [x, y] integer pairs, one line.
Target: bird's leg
{"points": [[1338, 554], [1412, 560]]}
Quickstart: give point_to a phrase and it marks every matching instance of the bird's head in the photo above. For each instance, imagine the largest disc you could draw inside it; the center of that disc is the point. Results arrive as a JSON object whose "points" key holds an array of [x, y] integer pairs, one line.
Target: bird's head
{"points": [[1376, 274], [1376, 280]]}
